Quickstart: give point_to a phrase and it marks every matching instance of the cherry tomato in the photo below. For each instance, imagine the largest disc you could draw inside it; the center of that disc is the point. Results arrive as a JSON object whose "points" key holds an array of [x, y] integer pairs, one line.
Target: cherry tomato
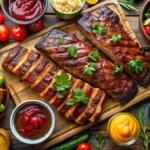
{"points": [[147, 29], [19, 33], [83, 146], [4, 32], [36, 26], [1, 18]]}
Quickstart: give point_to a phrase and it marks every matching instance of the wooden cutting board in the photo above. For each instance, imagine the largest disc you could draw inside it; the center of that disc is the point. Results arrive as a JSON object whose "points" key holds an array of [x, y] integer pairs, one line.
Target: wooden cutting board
{"points": [[21, 91]]}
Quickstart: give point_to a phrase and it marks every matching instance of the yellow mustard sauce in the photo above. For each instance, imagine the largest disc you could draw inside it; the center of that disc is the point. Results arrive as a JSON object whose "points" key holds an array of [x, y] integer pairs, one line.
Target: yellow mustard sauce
{"points": [[123, 128], [3, 143]]}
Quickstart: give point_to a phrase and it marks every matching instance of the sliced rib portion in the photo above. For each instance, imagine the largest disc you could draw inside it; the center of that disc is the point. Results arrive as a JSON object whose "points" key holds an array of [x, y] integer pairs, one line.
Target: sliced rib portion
{"points": [[121, 51], [120, 86], [40, 73]]}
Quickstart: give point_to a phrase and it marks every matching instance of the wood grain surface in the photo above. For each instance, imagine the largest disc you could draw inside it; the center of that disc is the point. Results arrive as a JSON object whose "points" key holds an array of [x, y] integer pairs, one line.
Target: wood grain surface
{"points": [[133, 19]]}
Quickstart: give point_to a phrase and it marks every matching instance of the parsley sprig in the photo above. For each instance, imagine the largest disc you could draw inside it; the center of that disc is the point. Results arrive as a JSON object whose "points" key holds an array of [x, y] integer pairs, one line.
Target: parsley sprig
{"points": [[100, 141], [61, 40], [77, 96], [143, 134], [135, 65], [117, 69], [72, 50], [61, 84], [90, 68], [94, 55], [116, 38], [97, 28]]}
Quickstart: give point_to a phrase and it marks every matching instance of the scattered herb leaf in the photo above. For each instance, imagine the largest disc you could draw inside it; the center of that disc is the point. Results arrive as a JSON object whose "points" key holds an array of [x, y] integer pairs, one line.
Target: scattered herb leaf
{"points": [[94, 55], [117, 69], [135, 65], [72, 50], [143, 134], [100, 141], [147, 14], [77, 96], [98, 28], [90, 68], [61, 84], [128, 4], [61, 40], [95, 25], [116, 38]]}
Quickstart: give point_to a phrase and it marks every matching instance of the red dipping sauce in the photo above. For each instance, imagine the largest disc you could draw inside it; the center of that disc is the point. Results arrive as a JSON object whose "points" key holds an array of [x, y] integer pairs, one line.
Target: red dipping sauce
{"points": [[33, 121], [26, 10]]}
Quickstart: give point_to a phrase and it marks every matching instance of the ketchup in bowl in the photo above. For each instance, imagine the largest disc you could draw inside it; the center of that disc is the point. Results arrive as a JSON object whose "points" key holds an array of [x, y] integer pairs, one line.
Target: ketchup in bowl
{"points": [[26, 10], [32, 121]]}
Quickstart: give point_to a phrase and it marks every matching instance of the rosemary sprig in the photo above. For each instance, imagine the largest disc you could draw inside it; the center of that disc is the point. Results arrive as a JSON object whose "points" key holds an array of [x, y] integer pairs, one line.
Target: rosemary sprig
{"points": [[100, 141], [128, 4], [143, 134]]}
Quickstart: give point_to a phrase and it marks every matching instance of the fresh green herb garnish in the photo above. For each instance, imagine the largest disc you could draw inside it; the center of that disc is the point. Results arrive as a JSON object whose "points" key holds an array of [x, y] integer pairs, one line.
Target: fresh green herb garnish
{"points": [[143, 134], [95, 25], [2, 108], [100, 141], [72, 50], [135, 65], [116, 38], [94, 55], [147, 15], [117, 69], [90, 68], [61, 84], [77, 96], [98, 28], [128, 4], [61, 40]]}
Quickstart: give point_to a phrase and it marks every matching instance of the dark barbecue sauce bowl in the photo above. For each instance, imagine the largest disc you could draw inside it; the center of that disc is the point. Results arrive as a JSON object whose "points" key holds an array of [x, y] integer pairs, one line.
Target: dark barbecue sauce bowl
{"points": [[32, 121], [26, 19]]}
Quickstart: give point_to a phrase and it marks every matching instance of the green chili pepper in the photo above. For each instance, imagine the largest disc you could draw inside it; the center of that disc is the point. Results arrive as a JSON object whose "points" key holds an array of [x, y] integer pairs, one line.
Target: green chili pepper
{"points": [[71, 143]]}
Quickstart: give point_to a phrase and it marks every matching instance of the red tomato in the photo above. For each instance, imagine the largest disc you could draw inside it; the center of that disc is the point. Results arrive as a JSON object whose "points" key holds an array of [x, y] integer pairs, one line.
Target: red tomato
{"points": [[147, 29], [1, 18], [36, 26], [4, 32], [19, 33], [83, 146]]}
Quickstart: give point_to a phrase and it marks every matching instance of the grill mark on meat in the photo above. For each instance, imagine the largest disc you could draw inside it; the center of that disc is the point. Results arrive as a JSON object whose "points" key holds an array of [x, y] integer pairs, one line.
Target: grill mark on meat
{"points": [[56, 101], [37, 71], [32, 58], [14, 58], [90, 109], [120, 52], [64, 107], [45, 72], [102, 78], [50, 90], [98, 110], [47, 77], [77, 109]]}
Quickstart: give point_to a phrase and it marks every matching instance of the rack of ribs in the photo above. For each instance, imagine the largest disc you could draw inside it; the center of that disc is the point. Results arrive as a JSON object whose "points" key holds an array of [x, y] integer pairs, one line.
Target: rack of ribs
{"points": [[40, 73], [121, 51], [120, 87]]}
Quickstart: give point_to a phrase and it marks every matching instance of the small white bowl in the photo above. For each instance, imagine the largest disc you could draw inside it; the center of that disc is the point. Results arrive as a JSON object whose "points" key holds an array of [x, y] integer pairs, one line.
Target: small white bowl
{"points": [[27, 140]]}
